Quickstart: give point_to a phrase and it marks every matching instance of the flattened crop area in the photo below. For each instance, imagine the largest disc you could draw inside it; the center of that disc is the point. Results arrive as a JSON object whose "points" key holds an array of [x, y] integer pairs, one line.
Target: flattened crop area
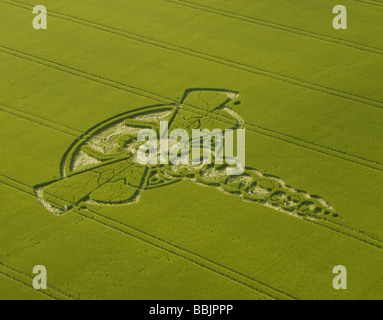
{"points": [[311, 101]]}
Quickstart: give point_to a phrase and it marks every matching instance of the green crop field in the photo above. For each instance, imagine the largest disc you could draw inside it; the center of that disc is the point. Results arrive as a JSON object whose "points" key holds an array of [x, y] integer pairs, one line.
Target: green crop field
{"points": [[73, 199]]}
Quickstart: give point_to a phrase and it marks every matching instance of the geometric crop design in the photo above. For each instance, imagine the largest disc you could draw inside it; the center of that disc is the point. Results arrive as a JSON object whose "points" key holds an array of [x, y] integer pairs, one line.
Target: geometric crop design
{"points": [[101, 166]]}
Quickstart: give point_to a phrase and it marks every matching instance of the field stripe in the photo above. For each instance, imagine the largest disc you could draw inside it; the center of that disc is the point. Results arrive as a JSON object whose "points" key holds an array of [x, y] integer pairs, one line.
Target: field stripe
{"points": [[327, 151], [165, 246], [186, 255], [259, 130], [4, 274], [195, 258], [183, 253], [374, 165], [265, 23], [330, 225], [370, 3], [81, 74], [40, 121], [278, 26], [17, 185], [221, 61], [27, 281], [348, 232], [67, 131], [370, 164], [333, 226], [324, 223], [336, 227]]}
